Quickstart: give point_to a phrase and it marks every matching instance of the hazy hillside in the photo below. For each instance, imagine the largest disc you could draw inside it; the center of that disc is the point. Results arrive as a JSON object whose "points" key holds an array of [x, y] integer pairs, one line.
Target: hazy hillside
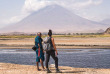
{"points": [[56, 18], [106, 21]]}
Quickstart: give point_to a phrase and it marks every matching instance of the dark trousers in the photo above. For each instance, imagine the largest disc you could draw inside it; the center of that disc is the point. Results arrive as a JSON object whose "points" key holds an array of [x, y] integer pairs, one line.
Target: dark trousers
{"points": [[52, 54]]}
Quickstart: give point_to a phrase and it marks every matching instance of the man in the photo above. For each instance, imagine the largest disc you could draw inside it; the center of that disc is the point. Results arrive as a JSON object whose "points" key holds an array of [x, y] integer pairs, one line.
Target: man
{"points": [[39, 51]]}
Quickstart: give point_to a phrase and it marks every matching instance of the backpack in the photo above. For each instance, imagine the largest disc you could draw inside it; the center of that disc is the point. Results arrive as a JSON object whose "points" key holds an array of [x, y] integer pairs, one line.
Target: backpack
{"points": [[47, 44]]}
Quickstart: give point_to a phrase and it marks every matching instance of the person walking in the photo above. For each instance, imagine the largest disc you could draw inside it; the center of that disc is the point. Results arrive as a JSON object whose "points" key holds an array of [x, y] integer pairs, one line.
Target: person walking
{"points": [[53, 53], [39, 51]]}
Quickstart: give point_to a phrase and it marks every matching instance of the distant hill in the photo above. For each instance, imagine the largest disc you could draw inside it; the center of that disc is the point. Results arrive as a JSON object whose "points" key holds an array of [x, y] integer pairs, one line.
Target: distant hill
{"points": [[107, 31], [106, 21], [100, 31], [57, 18]]}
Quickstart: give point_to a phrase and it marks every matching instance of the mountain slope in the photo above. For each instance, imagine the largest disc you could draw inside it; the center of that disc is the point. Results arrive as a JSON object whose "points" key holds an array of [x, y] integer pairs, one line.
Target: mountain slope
{"points": [[56, 18], [106, 21]]}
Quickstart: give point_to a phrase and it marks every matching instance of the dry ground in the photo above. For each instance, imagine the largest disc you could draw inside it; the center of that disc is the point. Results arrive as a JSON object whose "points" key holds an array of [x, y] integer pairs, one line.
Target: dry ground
{"points": [[26, 69], [61, 42]]}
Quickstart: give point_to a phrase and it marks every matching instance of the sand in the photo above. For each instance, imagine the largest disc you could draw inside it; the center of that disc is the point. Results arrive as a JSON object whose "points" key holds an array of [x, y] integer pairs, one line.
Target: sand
{"points": [[63, 42], [6, 68]]}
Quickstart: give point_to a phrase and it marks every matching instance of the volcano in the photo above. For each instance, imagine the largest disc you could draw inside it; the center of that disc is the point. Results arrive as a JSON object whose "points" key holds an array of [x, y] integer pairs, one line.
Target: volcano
{"points": [[54, 17]]}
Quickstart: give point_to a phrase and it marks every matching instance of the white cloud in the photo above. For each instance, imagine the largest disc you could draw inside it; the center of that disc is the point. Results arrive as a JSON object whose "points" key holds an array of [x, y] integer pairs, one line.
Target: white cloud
{"points": [[33, 5], [92, 17], [87, 3], [12, 20], [17, 18], [81, 7]]}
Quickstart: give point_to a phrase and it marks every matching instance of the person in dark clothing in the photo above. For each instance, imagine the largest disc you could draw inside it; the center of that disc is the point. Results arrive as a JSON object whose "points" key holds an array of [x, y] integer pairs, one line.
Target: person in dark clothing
{"points": [[52, 53], [39, 51]]}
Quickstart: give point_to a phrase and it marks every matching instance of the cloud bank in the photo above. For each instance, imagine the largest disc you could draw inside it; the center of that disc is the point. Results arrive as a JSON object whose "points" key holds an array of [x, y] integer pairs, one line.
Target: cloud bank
{"points": [[33, 5]]}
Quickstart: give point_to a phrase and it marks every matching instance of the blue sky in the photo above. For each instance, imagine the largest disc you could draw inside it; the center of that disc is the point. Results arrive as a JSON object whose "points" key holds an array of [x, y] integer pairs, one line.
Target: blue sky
{"points": [[12, 11], [9, 9]]}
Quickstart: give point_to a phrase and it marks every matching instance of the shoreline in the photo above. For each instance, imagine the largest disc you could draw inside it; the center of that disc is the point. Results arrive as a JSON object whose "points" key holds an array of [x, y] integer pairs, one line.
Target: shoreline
{"points": [[60, 46], [8, 68]]}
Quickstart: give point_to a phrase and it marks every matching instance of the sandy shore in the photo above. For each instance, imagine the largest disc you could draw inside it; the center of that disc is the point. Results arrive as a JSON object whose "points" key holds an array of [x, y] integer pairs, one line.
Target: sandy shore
{"points": [[63, 42], [6, 68]]}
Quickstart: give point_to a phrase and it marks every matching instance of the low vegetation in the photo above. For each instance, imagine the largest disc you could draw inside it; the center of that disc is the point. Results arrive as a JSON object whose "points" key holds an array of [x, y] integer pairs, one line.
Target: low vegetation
{"points": [[33, 36]]}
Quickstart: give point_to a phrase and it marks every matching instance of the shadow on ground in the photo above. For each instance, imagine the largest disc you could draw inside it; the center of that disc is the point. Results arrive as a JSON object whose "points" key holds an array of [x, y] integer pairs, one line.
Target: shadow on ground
{"points": [[67, 71]]}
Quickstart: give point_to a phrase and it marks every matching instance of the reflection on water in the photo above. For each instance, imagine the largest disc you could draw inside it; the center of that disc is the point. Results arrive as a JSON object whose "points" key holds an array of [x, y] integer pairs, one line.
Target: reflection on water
{"points": [[86, 58]]}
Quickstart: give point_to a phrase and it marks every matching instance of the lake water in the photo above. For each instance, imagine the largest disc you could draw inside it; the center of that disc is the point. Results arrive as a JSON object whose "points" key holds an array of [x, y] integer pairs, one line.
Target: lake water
{"points": [[84, 58]]}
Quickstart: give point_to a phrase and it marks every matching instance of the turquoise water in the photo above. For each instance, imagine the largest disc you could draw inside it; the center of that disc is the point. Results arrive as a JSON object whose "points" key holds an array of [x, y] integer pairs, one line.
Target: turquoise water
{"points": [[85, 58]]}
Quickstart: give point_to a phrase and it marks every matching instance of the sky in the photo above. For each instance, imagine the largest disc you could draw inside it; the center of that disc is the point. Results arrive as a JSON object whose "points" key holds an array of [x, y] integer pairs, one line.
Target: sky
{"points": [[12, 11]]}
